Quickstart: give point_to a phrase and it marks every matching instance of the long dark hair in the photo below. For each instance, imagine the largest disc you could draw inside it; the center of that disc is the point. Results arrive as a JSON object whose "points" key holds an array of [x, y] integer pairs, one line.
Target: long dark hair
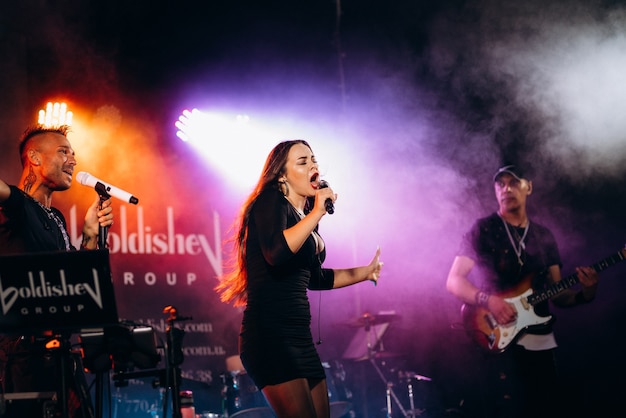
{"points": [[232, 286]]}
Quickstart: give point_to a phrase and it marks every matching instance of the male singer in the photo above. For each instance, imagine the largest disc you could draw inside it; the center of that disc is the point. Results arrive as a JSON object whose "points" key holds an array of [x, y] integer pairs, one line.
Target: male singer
{"points": [[28, 223]]}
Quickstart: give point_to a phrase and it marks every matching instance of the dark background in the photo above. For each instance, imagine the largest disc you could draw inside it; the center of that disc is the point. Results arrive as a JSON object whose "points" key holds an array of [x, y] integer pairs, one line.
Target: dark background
{"points": [[414, 104]]}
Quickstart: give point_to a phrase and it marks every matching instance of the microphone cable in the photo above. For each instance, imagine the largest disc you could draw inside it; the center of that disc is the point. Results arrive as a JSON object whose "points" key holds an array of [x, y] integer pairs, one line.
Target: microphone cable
{"points": [[319, 304]]}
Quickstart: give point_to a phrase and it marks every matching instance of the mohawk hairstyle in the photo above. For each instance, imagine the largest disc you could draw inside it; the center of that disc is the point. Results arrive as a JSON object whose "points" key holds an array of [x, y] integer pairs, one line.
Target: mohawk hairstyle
{"points": [[39, 129]]}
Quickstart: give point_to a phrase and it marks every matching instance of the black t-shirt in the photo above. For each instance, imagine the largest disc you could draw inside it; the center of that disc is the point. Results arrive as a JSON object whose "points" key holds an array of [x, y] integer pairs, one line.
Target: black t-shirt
{"points": [[489, 245], [26, 226]]}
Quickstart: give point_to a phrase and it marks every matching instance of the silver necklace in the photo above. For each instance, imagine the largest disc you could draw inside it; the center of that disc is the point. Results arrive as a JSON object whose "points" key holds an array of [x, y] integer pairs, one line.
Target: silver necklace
{"points": [[53, 217], [315, 235], [298, 211], [521, 246]]}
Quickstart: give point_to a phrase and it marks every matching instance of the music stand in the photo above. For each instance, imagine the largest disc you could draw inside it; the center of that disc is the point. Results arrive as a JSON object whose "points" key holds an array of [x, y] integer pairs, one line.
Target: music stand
{"points": [[60, 292], [365, 341]]}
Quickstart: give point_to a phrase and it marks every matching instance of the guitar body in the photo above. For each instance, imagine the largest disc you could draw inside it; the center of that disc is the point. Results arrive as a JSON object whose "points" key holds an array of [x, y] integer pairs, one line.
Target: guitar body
{"points": [[482, 327], [492, 337]]}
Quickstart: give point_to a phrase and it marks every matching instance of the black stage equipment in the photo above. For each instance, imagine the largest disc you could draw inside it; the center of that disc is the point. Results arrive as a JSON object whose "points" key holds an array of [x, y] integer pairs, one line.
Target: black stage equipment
{"points": [[168, 378], [49, 296]]}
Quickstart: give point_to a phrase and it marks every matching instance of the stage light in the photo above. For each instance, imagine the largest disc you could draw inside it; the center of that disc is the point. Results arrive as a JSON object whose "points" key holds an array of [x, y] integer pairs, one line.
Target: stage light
{"points": [[234, 143], [200, 126], [55, 114], [229, 142]]}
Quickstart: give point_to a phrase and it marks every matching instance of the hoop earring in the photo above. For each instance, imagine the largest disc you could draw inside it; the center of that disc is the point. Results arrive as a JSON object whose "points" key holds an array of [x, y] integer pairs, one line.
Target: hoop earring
{"points": [[284, 187]]}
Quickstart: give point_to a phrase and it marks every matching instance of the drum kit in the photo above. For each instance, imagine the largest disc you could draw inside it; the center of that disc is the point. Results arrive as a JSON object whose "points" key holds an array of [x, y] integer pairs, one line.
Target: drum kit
{"points": [[367, 346]]}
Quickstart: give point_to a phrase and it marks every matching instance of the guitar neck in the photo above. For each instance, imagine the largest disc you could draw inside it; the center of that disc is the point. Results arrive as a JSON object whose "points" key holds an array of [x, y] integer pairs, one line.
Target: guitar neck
{"points": [[569, 281]]}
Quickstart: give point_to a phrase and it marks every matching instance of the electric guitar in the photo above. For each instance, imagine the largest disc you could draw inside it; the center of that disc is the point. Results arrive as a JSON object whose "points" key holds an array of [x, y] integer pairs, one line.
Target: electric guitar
{"points": [[493, 337]]}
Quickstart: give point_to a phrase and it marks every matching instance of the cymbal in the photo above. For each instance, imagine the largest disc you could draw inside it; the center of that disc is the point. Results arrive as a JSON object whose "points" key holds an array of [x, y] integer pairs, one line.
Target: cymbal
{"points": [[413, 375], [385, 354], [380, 355], [368, 319]]}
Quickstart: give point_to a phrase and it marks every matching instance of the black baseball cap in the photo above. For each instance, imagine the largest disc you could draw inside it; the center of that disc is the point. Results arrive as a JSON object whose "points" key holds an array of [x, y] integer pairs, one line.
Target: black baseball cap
{"points": [[513, 170]]}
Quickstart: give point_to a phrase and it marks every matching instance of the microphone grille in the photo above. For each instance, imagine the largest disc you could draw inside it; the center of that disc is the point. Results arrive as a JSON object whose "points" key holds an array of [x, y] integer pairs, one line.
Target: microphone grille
{"points": [[82, 177]]}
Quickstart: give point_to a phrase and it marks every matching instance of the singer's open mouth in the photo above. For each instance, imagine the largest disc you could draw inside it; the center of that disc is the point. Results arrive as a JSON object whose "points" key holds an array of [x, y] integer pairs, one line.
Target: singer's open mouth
{"points": [[314, 180]]}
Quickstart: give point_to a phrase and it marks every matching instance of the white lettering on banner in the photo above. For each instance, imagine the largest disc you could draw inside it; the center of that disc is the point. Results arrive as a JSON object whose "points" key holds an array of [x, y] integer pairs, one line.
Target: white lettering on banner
{"points": [[44, 289], [150, 278], [168, 242], [216, 350], [189, 327], [128, 279], [52, 309], [200, 327], [198, 375]]}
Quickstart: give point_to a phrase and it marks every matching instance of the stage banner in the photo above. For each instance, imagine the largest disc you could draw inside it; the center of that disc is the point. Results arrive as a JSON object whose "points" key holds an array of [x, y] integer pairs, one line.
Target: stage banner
{"points": [[171, 256]]}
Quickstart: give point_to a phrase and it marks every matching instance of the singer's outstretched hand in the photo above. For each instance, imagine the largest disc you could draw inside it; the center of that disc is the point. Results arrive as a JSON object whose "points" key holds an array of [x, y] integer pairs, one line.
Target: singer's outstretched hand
{"points": [[375, 266], [350, 276], [94, 219]]}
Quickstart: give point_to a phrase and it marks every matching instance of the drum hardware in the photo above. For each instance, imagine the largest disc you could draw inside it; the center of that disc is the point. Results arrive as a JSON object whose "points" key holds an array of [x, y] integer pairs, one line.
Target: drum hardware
{"points": [[370, 333], [389, 392], [373, 328], [339, 395], [240, 396], [409, 377], [367, 319]]}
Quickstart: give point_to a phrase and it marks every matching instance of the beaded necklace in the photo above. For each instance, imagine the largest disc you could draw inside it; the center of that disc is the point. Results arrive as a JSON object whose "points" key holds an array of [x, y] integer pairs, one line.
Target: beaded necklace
{"points": [[53, 217]]}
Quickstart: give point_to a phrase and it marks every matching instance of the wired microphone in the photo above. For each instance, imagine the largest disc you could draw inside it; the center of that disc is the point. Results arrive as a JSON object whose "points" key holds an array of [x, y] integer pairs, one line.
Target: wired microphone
{"points": [[330, 207], [87, 179]]}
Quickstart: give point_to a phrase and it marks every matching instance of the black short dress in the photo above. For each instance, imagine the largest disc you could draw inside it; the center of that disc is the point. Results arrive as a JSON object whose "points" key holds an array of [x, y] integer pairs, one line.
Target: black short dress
{"points": [[275, 343]]}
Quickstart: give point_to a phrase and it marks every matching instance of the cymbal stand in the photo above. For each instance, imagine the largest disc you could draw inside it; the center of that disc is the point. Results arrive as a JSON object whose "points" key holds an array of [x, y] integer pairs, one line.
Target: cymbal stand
{"points": [[389, 393], [411, 401], [410, 376]]}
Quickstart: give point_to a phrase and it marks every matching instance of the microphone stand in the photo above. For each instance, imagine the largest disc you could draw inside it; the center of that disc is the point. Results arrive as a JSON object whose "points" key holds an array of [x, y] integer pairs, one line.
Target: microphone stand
{"points": [[174, 357], [103, 230]]}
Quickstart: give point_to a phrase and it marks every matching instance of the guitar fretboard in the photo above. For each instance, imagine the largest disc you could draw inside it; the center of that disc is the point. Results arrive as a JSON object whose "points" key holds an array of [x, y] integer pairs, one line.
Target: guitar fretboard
{"points": [[569, 281]]}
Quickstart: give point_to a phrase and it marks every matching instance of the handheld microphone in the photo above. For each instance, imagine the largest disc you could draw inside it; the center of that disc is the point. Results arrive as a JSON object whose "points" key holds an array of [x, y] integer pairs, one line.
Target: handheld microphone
{"points": [[87, 179], [330, 207]]}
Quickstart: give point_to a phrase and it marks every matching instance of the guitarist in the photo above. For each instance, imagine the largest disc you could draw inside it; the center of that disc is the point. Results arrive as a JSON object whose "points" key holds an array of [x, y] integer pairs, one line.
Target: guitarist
{"points": [[509, 251]]}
